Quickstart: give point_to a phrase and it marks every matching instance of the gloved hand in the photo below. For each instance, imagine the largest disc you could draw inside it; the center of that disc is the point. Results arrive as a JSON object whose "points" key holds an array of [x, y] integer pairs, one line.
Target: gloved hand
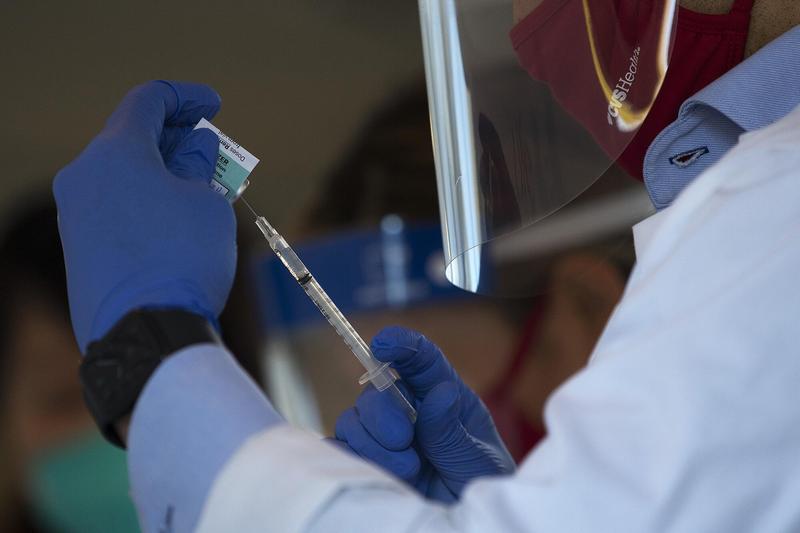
{"points": [[139, 224], [454, 439]]}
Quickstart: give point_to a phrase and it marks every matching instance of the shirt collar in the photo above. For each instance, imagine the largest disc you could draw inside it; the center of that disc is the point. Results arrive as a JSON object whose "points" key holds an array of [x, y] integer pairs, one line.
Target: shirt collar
{"points": [[759, 91]]}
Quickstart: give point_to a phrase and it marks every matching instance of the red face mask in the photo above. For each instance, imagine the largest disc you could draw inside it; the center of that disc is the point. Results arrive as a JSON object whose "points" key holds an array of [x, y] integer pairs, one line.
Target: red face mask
{"points": [[619, 45]]}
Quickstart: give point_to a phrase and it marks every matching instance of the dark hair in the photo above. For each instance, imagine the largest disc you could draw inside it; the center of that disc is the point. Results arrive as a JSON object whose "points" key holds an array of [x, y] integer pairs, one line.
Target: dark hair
{"points": [[388, 169], [31, 262]]}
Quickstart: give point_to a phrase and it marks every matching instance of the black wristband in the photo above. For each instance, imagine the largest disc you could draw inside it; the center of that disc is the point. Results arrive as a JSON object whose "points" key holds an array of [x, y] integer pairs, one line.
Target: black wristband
{"points": [[117, 367]]}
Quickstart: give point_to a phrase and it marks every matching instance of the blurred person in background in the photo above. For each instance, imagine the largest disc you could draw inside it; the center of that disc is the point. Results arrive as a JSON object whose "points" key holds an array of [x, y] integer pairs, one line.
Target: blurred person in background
{"points": [[512, 351], [57, 473]]}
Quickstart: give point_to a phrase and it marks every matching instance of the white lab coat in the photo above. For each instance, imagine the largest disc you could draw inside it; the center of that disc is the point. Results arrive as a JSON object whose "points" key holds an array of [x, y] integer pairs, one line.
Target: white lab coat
{"points": [[686, 419]]}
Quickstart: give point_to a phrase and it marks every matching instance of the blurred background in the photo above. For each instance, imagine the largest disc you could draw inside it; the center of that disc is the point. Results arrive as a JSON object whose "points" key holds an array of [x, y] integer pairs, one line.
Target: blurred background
{"points": [[296, 78], [331, 97]]}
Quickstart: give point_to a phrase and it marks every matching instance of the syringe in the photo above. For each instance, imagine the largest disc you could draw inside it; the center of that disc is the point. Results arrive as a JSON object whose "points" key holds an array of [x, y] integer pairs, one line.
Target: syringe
{"points": [[381, 375]]}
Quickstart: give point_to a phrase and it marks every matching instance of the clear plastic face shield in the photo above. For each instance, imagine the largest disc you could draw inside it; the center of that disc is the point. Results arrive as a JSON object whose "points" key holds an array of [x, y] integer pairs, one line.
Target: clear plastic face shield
{"points": [[527, 116]]}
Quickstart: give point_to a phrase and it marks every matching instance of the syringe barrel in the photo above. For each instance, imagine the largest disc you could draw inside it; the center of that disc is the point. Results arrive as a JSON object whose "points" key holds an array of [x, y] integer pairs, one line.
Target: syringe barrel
{"points": [[282, 249], [380, 375], [340, 324]]}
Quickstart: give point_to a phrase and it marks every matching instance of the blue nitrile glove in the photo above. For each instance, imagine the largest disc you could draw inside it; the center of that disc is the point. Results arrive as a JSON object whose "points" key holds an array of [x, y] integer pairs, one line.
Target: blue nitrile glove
{"points": [[139, 224], [454, 439]]}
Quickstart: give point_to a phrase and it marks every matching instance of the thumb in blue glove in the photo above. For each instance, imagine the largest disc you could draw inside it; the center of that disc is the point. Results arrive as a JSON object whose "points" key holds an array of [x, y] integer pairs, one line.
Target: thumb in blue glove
{"points": [[195, 156], [454, 439]]}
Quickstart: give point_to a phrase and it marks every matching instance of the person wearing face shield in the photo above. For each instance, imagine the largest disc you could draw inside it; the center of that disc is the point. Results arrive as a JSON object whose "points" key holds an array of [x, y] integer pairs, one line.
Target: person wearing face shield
{"points": [[58, 474], [682, 421]]}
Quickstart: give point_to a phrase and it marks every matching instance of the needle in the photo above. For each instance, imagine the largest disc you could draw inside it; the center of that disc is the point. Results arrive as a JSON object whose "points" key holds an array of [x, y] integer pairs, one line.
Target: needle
{"points": [[249, 206]]}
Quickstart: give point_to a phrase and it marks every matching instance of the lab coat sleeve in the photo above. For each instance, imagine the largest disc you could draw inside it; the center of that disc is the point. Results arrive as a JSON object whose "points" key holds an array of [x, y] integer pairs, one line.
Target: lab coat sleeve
{"points": [[195, 411], [282, 478], [686, 419], [674, 430]]}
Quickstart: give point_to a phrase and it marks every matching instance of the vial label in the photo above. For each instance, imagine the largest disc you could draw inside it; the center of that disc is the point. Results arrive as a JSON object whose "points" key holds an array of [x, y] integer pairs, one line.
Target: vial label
{"points": [[234, 164]]}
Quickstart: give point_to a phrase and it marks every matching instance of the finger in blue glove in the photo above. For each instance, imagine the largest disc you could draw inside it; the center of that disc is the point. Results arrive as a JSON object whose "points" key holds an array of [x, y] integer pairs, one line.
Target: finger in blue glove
{"points": [[456, 453], [195, 156], [393, 454], [454, 436]]}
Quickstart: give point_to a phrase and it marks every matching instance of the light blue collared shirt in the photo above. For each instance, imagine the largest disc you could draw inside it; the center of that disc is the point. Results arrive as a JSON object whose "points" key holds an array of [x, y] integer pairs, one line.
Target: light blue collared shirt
{"points": [[192, 416], [761, 90]]}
